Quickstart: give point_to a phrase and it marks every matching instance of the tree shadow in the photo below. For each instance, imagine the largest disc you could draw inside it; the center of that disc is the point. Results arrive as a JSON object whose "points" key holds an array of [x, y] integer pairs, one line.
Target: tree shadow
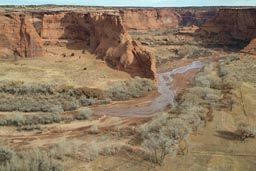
{"points": [[228, 135]]}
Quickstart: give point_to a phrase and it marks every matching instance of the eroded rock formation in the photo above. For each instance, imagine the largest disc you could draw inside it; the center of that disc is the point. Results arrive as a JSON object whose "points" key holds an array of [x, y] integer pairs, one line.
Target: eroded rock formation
{"points": [[230, 25], [103, 34], [18, 37]]}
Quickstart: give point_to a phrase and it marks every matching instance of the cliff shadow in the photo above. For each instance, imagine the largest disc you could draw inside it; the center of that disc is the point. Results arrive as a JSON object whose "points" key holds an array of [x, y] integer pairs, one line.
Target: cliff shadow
{"points": [[221, 40]]}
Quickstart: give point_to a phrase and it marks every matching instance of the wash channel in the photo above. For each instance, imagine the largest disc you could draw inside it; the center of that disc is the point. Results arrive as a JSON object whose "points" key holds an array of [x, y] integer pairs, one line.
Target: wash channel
{"points": [[145, 107]]}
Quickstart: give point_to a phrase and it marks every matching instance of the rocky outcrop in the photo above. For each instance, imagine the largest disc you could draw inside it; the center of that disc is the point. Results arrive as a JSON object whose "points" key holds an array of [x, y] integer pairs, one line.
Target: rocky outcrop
{"points": [[230, 25], [19, 37], [104, 35], [250, 48]]}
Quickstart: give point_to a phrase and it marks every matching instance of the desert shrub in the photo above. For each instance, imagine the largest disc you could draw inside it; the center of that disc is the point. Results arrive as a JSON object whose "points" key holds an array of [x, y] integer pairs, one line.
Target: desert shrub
{"points": [[202, 81], [87, 101], [136, 88], [223, 71], [18, 96], [5, 155], [40, 160], [94, 129], [19, 119], [154, 125], [84, 113], [67, 119], [246, 131], [16, 119], [212, 98], [208, 78], [71, 104], [230, 82], [176, 129], [110, 149], [193, 51], [44, 118], [32, 160], [56, 109], [91, 152], [29, 128]]}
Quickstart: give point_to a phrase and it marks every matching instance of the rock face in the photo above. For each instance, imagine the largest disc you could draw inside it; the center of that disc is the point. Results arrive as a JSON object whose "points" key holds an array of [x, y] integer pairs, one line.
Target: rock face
{"points": [[195, 16], [18, 37], [150, 19], [143, 19], [230, 25], [105, 35]]}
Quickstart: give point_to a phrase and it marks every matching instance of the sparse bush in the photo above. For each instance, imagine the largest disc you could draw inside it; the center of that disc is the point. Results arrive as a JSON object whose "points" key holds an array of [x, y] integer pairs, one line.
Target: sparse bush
{"points": [[94, 129], [110, 149], [29, 128], [91, 151], [84, 113], [193, 52], [71, 104], [245, 131], [67, 119], [33, 160], [19, 119], [6, 155], [155, 125]]}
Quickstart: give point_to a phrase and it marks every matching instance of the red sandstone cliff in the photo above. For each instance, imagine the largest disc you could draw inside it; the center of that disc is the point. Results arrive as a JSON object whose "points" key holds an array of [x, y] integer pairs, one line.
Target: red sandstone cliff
{"points": [[143, 19], [230, 24], [105, 36], [150, 19], [18, 36]]}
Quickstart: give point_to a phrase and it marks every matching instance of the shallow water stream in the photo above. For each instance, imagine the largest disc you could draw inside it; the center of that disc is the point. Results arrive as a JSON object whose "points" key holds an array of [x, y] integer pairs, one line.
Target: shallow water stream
{"points": [[142, 107]]}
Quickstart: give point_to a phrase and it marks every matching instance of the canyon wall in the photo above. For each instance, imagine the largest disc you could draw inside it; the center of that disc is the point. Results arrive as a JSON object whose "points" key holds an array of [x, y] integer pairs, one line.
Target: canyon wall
{"points": [[19, 37], [149, 19], [230, 25], [196, 16], [144, 19]]}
